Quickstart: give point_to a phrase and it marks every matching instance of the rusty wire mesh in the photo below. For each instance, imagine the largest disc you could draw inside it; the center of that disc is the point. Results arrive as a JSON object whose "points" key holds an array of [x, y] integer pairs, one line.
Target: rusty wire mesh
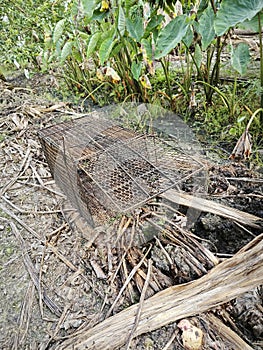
{"points": [[103, 167]]}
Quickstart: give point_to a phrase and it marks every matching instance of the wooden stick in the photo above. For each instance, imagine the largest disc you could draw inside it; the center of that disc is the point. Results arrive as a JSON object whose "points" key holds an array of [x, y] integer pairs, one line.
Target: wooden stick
{"points": [[226, 281], [209, 206], [226, 333], [33, 273], [142, 298]]}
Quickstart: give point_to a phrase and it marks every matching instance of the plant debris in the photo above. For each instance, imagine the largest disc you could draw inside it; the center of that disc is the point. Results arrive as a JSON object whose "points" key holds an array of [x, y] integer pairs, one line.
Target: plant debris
{"points": [[64, 284]]}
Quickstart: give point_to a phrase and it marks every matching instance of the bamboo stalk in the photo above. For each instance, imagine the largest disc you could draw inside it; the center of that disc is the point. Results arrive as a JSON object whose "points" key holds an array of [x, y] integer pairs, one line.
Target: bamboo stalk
{"points": [[226, 281]]}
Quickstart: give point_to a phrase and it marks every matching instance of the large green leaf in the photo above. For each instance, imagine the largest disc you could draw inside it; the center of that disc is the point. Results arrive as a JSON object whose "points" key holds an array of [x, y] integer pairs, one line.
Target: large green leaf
{"points": [[206, 27], [135, 28], [147, 47], [240, 58], [58, 30], [198, 55], [136, 69], [188, 38], [67, 49], [89, 7], [252, 24], [121, 21], [232, 12], [93, 43], [105, 49], [152, 24], [203, 5], [170, 36]]}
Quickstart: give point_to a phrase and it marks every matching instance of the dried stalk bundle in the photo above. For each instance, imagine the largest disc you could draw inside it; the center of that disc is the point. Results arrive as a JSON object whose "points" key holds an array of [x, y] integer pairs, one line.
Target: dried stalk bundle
{"points": [[229, 279]]}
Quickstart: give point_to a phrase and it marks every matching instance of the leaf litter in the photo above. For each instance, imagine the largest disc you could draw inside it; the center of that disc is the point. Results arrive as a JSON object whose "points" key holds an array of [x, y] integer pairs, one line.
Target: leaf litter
{"points": [[58, 281]]}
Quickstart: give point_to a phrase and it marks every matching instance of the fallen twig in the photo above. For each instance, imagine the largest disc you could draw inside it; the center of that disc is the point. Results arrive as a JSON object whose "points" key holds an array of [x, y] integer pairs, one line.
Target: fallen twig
{"points": [[209, 206], [21, 222], [132, 273], [142, 298], [24, 318], [22, 211], [33, 273], [226, 333], [227, 280], [25, 164]]}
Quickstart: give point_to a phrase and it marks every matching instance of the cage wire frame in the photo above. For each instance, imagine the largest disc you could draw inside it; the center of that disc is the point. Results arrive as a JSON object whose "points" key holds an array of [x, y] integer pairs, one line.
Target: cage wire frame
{"points": [[104, 168]]}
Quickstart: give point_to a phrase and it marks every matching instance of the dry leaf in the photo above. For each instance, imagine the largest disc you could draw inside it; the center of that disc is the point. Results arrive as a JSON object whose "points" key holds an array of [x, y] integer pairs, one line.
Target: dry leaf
{"points": [[145, 82], [243, 147], [53, 107], [112, 74], [192, 102], [98, 270], [20, 122], [32, 111], [192, 336], [100, 75], [178, 8], [108, 74]]}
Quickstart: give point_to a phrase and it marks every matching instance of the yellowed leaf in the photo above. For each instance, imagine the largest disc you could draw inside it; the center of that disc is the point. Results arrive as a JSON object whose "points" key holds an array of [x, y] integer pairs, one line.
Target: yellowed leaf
{"points": [[100, 75], [148, 62], [104, 6], [113, 75], [108, 74], [145, 82]]}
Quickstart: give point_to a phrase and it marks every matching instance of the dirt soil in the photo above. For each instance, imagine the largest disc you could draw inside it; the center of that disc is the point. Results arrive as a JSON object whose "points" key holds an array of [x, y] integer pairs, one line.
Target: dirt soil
{"points": [[55, 280]]}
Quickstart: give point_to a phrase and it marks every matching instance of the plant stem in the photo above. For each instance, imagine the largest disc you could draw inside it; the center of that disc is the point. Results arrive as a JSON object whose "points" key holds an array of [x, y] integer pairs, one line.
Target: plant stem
{"points": [[213, 5], [261, 67], [165, 66], [259, 110]]}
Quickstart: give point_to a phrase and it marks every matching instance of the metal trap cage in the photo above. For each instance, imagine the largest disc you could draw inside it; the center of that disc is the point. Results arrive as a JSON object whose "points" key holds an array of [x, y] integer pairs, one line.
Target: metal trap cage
{"points": [[104, 168]]}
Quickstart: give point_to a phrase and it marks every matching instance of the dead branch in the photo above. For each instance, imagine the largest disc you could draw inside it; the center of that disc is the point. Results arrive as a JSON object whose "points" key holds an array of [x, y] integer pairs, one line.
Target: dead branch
{"points": [[53, 307], [227, 280], [226, 333], [213, 207]]}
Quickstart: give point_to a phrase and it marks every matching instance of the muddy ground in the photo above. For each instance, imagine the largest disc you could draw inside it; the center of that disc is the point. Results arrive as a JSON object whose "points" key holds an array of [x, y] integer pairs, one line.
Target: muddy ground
{"points": [[55, 280]]}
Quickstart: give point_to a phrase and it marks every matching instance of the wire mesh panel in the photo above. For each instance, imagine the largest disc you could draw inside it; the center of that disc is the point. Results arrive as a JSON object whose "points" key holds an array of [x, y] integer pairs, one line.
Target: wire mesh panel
{"points": [[103, 167]]}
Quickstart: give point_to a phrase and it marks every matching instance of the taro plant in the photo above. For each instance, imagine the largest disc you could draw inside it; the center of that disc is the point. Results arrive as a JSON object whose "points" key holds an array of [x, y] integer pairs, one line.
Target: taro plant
{"points": [[208, 33], [114, 47], [213, 23], [238, 13], [116, 44], [100, 48]]}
